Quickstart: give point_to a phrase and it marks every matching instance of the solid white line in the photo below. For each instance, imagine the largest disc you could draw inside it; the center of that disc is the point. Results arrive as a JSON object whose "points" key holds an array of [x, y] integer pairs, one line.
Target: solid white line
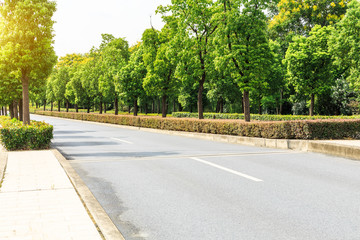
{"points": [[124, 141], [227, 169]]}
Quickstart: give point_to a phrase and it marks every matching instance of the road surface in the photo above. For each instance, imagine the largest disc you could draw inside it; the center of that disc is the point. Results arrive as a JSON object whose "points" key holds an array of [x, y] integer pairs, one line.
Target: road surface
{"points": [[164, 187]]}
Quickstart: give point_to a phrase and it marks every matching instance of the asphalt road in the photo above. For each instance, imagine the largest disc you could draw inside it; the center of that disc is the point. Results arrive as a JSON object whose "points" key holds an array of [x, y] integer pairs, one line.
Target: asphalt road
{"points": [[164, 187]]}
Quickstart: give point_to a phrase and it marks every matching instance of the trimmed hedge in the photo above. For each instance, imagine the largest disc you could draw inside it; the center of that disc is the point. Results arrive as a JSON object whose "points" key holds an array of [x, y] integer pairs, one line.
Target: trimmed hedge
{"points": [[313, 129], [258, 117], [16, 136]]}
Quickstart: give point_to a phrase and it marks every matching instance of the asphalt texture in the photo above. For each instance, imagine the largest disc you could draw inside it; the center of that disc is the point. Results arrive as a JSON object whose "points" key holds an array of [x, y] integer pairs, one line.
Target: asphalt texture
{"points": [[159, 187]]}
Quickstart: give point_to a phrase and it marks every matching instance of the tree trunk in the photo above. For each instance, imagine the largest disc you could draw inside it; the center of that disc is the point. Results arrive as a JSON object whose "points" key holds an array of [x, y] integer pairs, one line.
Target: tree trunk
{"points": [[116, 105], [25, 97], [129, 109], [67, 105], [281, 99], [158, 106], [44, 105], [52, 106], [100, 107], [135, 107], [174, 105], [76, 108], [16, 112], [200, 95], [312, 104], [153, 107], [146, 108], [59, 106], [164, 106], [6, 113], [246, 100], [21, 111], [260, 108], [221, 105], [88, 108], [11, 110]]}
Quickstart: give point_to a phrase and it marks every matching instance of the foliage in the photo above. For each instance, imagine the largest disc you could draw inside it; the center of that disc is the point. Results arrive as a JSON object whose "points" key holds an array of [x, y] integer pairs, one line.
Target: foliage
{"points": [[195, 26], [26, 43], [309, 63], [210, 56], [17, 136], [243, 48], [345, 44], [258, 117], [300, 17]]}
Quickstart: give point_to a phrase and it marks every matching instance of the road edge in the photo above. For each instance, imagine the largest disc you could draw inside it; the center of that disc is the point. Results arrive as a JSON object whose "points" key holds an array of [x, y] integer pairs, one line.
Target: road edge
{"points": [[317, 146], [98, 214], [3, 163]]}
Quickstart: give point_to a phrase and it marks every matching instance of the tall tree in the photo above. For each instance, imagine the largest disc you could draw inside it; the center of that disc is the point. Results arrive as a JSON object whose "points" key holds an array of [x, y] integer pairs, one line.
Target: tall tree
{"points": [[115, 55], [26, 39], [309, 63], [195, 25], [345, 44], [243, 45], [300, 17], [130, 78], [161, 63]]}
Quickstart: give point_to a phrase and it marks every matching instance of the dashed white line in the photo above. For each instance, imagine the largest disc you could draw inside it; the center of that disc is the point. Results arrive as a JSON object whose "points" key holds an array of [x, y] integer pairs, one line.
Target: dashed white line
{"points": [[121, 140], [227, 170]]}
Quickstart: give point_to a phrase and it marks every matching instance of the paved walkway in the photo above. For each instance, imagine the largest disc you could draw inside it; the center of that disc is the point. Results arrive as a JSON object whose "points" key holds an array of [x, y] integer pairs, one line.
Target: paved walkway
{"points": [[37, 201]]}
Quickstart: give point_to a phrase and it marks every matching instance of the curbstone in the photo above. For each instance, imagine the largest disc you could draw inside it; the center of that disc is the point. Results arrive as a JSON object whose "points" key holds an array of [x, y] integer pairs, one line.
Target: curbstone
{"points": [[3, 163], [101, 219], [350, 152]]}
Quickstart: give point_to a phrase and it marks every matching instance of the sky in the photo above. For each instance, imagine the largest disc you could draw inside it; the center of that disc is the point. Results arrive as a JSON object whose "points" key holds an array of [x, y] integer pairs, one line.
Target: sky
{"points": [[80, 23]]}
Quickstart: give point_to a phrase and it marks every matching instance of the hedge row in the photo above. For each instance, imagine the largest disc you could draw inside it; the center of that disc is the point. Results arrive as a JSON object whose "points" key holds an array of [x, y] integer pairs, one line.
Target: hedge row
{"points": [[319, 129], [258, 117], [16, 136]]}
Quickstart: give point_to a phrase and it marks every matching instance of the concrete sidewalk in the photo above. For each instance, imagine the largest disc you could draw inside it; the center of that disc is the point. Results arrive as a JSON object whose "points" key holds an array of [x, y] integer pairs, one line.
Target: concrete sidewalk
{"points": [[38, 201]]}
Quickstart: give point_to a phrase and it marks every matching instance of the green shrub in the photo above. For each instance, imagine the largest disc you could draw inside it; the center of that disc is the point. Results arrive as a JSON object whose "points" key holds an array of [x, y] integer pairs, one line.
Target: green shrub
{"points": [[258, 117], [16, 136], [310, 129]]}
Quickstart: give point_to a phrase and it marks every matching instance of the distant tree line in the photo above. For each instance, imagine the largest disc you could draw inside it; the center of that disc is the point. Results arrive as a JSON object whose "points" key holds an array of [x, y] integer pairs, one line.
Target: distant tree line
{"points": [[276, 57]]}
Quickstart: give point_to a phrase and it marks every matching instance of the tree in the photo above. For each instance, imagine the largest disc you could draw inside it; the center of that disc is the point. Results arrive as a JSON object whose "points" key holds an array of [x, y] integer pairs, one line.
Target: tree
{"points": [[195, 27], [130, 78], [115, 55], [242, 45], [300, 17], [62, 78], [26, 42], [345, 44], [309, 63], [161, 64]]}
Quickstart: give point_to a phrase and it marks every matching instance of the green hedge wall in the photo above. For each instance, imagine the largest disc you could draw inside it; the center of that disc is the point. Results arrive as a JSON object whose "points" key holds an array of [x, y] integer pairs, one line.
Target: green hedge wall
{"points": [[258, 117], [16, 136], [312, 129]]}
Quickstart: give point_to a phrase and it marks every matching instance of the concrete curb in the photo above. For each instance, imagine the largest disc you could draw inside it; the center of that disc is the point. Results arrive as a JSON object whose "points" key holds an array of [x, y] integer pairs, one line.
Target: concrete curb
{"points": [[345, 151], [3, 163], [102, 221], [318, 146]]}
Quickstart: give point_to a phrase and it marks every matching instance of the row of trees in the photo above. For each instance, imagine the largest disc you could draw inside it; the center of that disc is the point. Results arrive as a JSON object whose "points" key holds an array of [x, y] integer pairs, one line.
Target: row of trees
{"points": [[225, 55]]}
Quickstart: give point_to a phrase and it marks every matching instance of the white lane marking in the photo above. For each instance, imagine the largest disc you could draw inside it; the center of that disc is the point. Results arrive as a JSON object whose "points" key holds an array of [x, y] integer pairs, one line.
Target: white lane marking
{"points": [[227, 170], [120, 140]]}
